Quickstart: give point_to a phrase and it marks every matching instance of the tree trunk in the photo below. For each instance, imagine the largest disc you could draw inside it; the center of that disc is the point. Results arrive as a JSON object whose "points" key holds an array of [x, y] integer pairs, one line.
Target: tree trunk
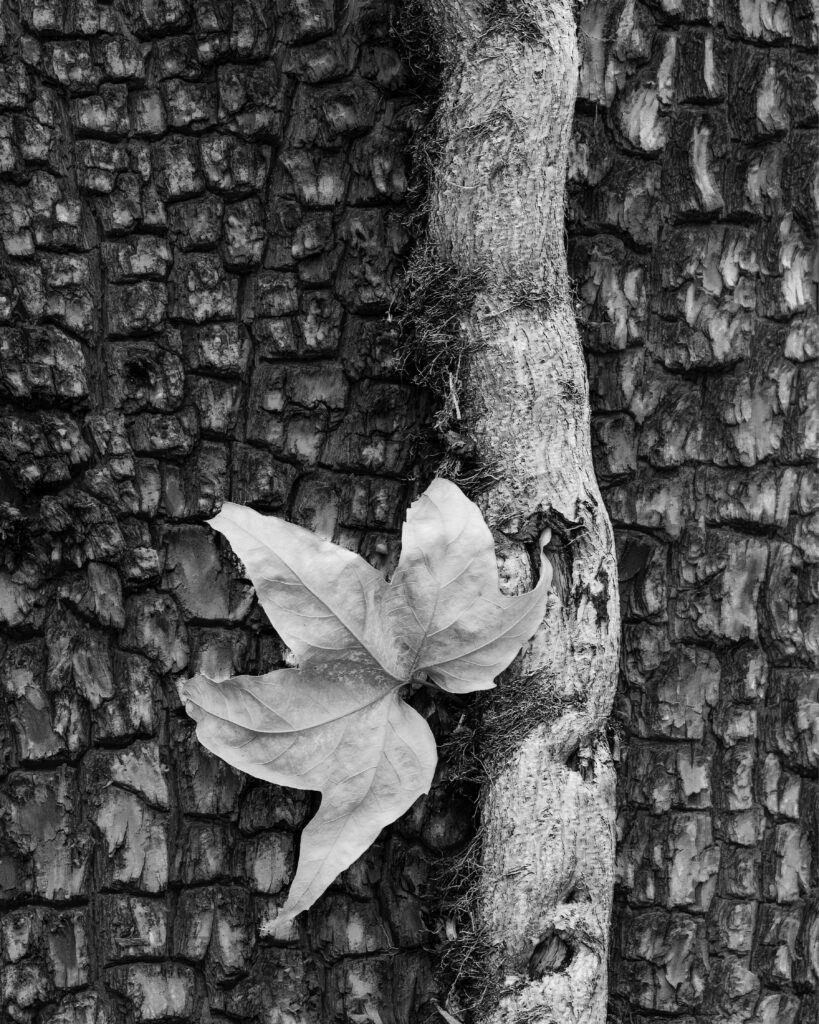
{"points": [[692, 221], [496, 209], [201, 210]]}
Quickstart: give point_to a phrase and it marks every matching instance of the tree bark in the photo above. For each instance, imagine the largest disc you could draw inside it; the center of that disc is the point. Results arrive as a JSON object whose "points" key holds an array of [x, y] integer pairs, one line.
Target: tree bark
{"points": [[692, 220], [201, 206], [496, 207], [201, 213]]}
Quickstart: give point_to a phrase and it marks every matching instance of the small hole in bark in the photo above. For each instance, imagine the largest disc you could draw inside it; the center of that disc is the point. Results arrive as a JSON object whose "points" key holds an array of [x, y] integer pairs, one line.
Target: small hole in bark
{"points": [[579, 893], [550, 955], [140, 373], [580, 762]]}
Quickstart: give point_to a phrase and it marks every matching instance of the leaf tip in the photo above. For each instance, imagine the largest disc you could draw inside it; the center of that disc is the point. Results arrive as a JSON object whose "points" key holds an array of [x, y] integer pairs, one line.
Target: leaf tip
{"points": [[281, 928], [186, 690], [219, 517]]}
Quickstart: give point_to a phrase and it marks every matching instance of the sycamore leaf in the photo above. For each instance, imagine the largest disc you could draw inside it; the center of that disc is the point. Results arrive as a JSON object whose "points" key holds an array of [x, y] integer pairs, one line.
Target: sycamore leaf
{"points": [[442, 614], [338, 727], [337, 724]]}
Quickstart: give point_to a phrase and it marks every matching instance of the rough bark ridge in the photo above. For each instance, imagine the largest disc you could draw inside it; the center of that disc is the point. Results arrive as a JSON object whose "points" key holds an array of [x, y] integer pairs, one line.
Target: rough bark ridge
{"points": [[496, 209], [692, 220], [200, 210]]}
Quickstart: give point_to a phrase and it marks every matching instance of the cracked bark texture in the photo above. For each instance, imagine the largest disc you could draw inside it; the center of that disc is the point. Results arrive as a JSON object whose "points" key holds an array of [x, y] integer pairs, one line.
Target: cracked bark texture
{"points": [[201, 213], [496, 209], [692, 219]]}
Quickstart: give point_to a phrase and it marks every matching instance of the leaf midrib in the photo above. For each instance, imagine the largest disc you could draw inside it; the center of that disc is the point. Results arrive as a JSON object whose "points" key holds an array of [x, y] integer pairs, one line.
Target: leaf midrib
{"points": [[308, 728]]}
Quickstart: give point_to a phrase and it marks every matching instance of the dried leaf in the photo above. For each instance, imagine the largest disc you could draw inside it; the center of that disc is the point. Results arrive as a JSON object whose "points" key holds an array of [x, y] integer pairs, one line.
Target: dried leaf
{"points": [[337, 724]]}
